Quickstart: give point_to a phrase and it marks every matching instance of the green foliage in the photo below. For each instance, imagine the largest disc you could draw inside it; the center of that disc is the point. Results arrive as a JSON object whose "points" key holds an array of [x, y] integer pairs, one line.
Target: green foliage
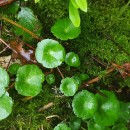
{"points": [[94, 126], [75, 123], [28, 20], [50, 53], [68, 86], [125, 112], [119, 127], [74, 15], [82, 4], [109, 109], [62, 126], [86, 102], [29, 80], [64, 29], [72, 59], [14, 68], [84, 77], [104, 37], [50, 78], [77, 80], [4, 81], [6, 104]]}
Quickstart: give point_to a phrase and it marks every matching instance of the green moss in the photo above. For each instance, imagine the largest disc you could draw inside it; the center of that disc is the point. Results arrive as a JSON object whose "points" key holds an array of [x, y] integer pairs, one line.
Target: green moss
{"points": [[25, 115], [104, 36]]}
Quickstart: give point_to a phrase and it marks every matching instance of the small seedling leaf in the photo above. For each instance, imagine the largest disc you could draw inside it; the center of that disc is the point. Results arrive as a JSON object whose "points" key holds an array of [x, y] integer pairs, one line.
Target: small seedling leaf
{"points": [[84, 76], [72, 59], [50, 78], [68, 86], [14, 68], [77, 80]]}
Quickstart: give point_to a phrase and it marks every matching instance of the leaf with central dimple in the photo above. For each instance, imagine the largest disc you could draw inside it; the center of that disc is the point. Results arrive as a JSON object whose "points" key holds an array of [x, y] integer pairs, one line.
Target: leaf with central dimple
{"points": [[6, 104], [109, 109], [84, 104], [29, 80], [50, 53], [64, 29], [28, 20], [72, 59], [68, 86], [4, 81]]}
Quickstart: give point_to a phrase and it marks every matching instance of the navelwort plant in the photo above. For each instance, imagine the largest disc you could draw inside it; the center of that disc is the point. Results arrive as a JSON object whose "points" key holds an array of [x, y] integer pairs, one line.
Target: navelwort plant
{"points": [[101, 111]]}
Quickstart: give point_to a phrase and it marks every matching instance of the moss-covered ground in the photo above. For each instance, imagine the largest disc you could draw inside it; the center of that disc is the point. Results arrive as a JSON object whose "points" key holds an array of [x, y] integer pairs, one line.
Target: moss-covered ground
{"points": [[104, 39]]}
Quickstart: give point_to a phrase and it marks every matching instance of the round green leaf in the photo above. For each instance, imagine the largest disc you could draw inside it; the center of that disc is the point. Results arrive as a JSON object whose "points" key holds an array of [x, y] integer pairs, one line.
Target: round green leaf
{"points": [[50, 78], [62, 126], [109, 109], [72, 59], [120, 126], [74, 15], [4, 81], [14, 68], [125, 112], [64, 29], [29, 80], [6, 104], [84, 104], [50, 53], [77, 80], [75, 123], [94, 126], [68, 86], [84, 76], [82, 4]]}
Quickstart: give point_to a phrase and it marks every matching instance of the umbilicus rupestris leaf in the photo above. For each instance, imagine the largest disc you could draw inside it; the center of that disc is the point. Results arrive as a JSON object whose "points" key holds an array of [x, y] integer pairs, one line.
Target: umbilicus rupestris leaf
{"points": [[50, 53], [29, 80]]}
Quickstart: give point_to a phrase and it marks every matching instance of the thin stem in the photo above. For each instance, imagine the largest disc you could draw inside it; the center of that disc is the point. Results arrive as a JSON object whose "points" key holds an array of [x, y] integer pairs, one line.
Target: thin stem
{"points": [[1, 40], [9, 33], [11, 86], [9, 63], [60, 73], [3, 50], [96, 79], [20, 26]]}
